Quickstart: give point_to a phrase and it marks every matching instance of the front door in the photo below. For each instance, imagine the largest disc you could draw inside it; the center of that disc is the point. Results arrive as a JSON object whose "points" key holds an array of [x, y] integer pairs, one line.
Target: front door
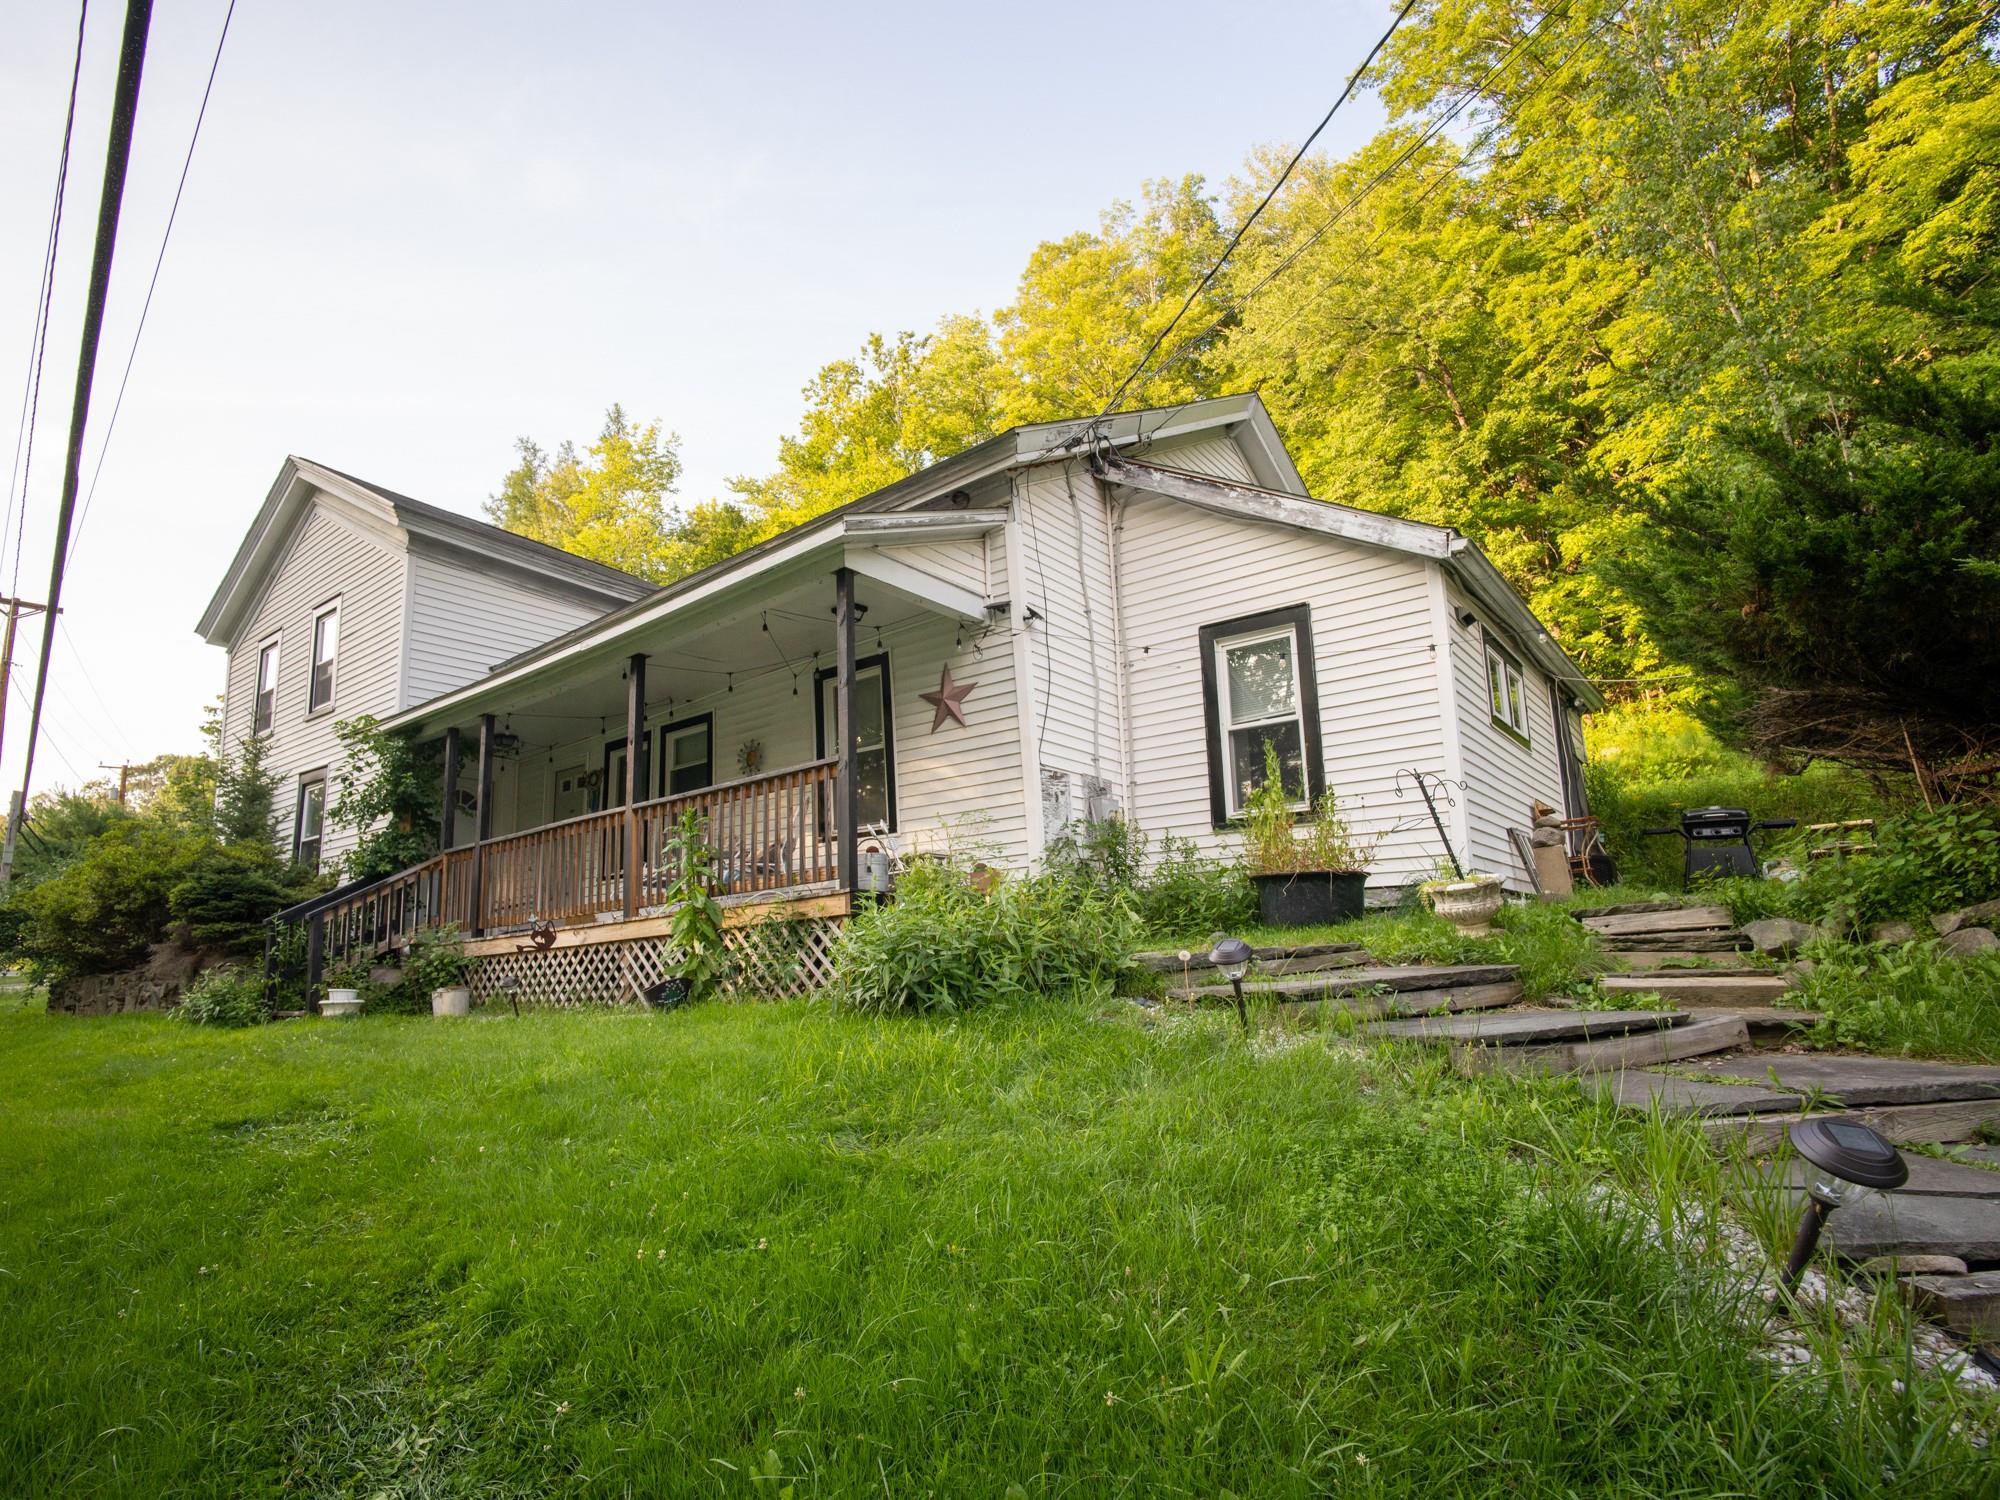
{"points": [[874, 739], [572, 796]]}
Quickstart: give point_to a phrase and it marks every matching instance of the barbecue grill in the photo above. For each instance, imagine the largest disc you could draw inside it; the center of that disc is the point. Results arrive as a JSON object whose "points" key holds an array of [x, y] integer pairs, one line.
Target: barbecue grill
{"points": [[1716, 841]]}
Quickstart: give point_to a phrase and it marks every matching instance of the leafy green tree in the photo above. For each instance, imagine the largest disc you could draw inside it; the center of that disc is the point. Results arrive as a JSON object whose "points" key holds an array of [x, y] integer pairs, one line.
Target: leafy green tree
{"points": [[103, 911], [245, 794], [390, 795], [609, 503]]}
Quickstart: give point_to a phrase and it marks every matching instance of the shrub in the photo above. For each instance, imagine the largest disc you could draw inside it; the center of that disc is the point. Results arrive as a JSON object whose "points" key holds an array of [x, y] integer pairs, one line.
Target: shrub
{"points": [[1182, 890], [1912, 998], [389, 796], [228, 891], [103, 912], [1923, 862], [228, 996], [1271, 845], [943, 946], [696, 923]]}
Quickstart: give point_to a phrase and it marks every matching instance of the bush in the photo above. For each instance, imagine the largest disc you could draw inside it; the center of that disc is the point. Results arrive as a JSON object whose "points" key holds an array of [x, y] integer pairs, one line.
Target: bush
{"points": [[228, 996], [104, 912], [1912, 999], [1180, 891], [1923, 862], [227, 893], [943, 946]]}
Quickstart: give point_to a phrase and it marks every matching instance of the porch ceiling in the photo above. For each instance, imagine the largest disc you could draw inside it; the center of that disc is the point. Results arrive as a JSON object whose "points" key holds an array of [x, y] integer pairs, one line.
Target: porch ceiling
{"points": [[784, 630]]}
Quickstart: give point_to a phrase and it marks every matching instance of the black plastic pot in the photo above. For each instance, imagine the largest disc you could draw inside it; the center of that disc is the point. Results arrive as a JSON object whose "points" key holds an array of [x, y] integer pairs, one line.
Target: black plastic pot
{"points": [[1310, 898]]}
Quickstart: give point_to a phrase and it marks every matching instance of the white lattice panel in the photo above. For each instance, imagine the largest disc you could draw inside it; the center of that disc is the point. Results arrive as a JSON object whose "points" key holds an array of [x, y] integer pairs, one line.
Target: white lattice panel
{"points": [[775, 959]]}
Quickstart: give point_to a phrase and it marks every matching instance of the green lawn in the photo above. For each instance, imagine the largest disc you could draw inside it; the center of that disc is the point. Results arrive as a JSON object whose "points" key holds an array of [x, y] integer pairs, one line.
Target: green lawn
{"points": [[762, 1249]]}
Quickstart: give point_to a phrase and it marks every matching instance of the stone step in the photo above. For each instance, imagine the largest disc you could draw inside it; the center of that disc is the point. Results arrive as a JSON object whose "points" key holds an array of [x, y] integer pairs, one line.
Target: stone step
{"points": [[1669, 1093], [1708, 940], [1843, 1082], [1400, 977], [1766, 1022], [1169, 961], [1654, 923], [1646, 960], [1699, 989], [1968, 1305], [1900, 1124], [1634, 1050], [1872, 1224], [1624, 909], [1523, 1027]]}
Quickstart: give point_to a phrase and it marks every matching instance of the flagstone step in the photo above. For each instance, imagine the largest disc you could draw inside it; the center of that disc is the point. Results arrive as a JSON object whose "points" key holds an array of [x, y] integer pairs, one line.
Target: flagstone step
{"points": [[1397, 977], [1648, 961], [1706, 940], [1523, 1027], [1968, 1305], [1634, 1050], [1846, 1082], [1170, 961], [1700, 989], [1655, 923], [1766, 1022], [1624, 909], [1901, 1124], [1869, 1224]]}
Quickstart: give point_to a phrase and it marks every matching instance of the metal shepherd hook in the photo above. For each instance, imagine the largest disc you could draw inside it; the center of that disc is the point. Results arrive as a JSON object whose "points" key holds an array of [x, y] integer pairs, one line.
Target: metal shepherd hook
{"points": [[1432, 786]]}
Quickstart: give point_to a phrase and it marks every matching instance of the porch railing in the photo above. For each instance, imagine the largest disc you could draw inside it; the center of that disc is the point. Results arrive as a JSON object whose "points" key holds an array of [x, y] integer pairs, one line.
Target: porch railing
{"points": [[763, 832]]}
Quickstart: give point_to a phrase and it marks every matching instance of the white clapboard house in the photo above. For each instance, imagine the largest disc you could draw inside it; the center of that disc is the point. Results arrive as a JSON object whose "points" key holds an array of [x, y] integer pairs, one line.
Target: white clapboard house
{"points": [[1071, 620]]}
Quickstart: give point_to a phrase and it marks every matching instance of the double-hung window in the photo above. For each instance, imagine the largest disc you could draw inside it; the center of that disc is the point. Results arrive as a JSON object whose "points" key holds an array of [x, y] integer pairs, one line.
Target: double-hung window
{"points": [[1507, 690], [309, 827], [1259, 689], [325, 650], [267, 690], [687, 755]]}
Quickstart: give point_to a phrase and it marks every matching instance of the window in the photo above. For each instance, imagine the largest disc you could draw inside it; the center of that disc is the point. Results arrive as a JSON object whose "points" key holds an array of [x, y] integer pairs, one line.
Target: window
{"points": [[326, 646], [687, 755], [1507, 688], [614, 775], [267, 690], [309, 827], [874, 737], [1258, 688]]}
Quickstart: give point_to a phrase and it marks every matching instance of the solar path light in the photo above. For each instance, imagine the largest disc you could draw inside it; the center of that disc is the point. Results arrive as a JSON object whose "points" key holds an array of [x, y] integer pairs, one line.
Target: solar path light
{"points": [[1231, 957], [1847, 1151]]}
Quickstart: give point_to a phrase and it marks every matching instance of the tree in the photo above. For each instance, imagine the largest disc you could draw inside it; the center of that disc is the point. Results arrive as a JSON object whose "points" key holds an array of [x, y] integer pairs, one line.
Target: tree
{"points": [[609, 504], [390, 795], [245, 796]]}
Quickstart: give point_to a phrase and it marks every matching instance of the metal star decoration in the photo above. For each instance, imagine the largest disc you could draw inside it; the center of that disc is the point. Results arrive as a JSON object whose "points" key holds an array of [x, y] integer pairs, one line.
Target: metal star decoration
{"points": [[948, 700]]}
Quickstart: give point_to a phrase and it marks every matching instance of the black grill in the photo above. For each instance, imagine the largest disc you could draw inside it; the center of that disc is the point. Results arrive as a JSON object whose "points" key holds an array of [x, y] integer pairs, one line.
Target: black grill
{"points": [[1717, 841], [1715, 822]]}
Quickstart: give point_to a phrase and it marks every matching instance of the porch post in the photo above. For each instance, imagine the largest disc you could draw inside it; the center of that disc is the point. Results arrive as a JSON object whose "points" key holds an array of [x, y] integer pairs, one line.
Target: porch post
{"points": [[847, 796], [635, 777], [483, 829], [448, 818]]}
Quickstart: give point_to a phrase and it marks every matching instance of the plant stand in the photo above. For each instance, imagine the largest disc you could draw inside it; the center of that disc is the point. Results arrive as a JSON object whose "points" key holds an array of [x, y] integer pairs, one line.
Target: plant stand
{"points": [[1469, 905]]}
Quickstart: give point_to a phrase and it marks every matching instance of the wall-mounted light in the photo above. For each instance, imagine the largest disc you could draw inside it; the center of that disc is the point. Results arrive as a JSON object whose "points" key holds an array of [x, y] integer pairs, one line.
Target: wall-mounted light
{"points": [[1846, 1150], [1467, 619]]}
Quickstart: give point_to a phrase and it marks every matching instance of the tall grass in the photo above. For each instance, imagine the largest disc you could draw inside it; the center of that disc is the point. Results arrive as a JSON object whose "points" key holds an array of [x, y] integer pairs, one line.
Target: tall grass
{"points": [[1043, 1250], [1912, 999]]}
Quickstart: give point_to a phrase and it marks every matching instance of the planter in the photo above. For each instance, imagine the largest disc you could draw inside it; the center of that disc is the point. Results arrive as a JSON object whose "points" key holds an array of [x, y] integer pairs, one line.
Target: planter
{"points": [[455, 1001], [341, 1002], [1469, 905], [1310, 898]]}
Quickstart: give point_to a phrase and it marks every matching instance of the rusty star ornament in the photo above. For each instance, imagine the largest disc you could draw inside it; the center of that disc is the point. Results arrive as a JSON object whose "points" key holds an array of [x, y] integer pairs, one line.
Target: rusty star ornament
{"points": [[948, 700]]}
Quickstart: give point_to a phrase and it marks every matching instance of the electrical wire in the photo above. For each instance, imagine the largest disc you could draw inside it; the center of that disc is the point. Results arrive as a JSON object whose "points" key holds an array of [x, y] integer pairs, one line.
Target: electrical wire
{"points": [[31, 392], [159, 260], [1244, 228]]}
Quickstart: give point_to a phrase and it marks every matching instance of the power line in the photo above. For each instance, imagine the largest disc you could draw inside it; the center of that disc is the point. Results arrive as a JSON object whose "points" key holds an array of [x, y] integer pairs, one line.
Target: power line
{"points": [[68, 764], [1244, 228], [188, 161], [117, 159], [76, 655], [31, 390]]}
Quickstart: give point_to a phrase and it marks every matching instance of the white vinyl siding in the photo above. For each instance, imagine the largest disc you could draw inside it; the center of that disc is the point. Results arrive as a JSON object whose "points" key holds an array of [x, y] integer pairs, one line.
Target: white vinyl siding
{"points": [[1502, 775], [1217, 457], [464, 622], [961, 562], [1372, 645], [326, 557]]}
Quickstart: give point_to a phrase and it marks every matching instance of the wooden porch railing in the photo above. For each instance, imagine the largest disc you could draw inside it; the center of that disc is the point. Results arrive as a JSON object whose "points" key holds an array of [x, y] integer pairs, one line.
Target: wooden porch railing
{"points": [[764, 832]]}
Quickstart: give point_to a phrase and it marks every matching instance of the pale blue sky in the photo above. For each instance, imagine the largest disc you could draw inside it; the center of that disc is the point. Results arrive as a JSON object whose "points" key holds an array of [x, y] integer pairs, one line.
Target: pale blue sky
{"points": [[414, 232]]}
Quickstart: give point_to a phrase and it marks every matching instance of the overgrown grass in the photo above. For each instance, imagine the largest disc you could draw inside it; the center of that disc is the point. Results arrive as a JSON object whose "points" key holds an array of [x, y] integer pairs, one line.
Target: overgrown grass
{"points": [[1912, 999], [773, 1249]]}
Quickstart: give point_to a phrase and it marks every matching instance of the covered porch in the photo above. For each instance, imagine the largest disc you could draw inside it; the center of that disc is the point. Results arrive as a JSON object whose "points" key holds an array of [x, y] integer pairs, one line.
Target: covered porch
{"points": [[791, 709]]}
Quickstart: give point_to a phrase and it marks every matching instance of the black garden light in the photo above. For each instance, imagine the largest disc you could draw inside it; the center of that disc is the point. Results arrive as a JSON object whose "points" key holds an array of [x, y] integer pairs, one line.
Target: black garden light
{"points": [[1231, 957], [1845, 1150]]}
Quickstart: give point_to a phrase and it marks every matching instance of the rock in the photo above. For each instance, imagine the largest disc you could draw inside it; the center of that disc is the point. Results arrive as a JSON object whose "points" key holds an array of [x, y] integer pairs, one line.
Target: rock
{"points": [[1967, 942], [1892, 932], [1802, 967], [1982, 915], [1915, 1265], [1780, 936]]}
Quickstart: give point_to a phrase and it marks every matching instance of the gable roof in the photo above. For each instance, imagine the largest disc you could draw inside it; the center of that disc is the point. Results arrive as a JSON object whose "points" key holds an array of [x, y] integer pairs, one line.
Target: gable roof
{"points": [[292, 493]]}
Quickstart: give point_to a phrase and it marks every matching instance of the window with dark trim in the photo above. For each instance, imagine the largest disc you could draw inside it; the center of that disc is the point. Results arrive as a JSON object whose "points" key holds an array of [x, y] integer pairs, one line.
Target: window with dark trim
{"points": [[1506, 689], [325, 649], [266, 705], [309, 826], [1258, 686], [687, 755], [614, 774], [874, 736]]}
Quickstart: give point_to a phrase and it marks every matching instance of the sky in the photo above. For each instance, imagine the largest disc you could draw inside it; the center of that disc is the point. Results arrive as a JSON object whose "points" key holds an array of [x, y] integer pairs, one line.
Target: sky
{"points": [[413, 233]]}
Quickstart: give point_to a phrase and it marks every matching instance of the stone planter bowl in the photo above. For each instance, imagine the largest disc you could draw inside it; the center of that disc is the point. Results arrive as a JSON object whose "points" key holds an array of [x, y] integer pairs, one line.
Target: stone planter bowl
{"points": [[339, 1002], [1469, 905]]}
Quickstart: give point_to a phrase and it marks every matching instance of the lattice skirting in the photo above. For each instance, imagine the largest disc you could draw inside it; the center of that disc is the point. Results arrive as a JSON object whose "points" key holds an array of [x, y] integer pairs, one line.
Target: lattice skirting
{"points": [[777, 959]]}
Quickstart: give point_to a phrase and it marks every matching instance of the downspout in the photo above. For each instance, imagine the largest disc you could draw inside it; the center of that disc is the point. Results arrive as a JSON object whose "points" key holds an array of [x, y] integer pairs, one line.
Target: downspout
{"points": [[1089, 633], [1114, 532], [1443, 647], [1027, 711]]}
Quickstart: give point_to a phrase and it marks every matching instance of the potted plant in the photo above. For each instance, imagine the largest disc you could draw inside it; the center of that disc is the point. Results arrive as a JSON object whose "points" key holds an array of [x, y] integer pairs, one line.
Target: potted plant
{"points": [[438, 963], [1301, 882], [1469, 902], [343, 988]]}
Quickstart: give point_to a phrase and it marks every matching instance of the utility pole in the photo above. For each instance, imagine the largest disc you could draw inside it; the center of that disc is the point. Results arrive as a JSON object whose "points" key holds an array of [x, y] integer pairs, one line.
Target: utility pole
{"points": [[124, 775], [117, 158], [15, 609]]}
